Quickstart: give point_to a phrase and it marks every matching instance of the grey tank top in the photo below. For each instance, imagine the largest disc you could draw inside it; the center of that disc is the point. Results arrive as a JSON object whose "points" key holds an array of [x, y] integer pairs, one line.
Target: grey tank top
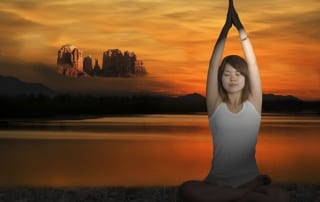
{"points": [[235, 137]]}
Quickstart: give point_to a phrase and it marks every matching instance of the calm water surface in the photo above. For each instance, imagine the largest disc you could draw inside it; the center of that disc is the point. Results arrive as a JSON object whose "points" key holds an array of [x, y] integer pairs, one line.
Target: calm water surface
{"points": [[146, 150]]}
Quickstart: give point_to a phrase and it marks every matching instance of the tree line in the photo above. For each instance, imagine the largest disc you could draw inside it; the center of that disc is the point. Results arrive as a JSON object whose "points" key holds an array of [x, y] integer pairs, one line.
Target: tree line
{"points": [[63, 105]]}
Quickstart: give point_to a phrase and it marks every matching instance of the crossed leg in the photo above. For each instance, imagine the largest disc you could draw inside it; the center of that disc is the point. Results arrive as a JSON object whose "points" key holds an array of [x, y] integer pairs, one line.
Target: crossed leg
{"points": [[199, 191], [266, 193], [258, 190]]}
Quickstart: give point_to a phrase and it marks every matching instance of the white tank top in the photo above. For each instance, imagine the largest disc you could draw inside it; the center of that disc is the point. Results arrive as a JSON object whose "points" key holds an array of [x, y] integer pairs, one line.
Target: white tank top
{"points": [[235, 137]]}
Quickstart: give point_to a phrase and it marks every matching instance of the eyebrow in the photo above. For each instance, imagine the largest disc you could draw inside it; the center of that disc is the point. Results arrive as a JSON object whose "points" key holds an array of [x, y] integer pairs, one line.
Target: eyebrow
{"points": [[232, 71]]}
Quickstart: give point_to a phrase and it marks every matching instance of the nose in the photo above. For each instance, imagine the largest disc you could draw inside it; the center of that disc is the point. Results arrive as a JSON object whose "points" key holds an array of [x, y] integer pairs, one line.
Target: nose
{"points": [[233, 77]]}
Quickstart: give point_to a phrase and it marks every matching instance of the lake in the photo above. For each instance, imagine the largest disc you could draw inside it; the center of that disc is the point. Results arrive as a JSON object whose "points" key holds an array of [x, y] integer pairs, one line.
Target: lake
{"points": [[146, 150]]}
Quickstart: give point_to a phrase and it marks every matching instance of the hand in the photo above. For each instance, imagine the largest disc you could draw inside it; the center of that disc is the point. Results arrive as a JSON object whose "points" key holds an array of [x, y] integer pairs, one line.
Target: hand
{"points": [[235, 17], [228, 23]]}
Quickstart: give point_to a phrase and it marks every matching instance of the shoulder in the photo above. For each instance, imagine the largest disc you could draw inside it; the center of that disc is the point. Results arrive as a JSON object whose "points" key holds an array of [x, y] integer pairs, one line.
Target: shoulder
{"points": [[212, 104], [215, 108], [256, 104]]}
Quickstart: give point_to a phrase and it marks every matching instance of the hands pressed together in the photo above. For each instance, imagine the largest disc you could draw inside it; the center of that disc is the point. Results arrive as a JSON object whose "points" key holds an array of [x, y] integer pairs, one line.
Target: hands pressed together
{"points": [[233, 18]]}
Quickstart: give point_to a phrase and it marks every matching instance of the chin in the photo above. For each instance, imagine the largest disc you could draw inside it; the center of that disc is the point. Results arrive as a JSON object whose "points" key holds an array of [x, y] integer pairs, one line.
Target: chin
{"points": [[232, 91]]}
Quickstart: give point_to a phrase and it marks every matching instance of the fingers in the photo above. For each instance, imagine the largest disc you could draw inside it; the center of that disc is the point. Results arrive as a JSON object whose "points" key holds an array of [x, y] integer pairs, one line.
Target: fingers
{"points": [[230, 7], [234, 12], [229, 14], [235, 19], [231, 4], [228, 23]]}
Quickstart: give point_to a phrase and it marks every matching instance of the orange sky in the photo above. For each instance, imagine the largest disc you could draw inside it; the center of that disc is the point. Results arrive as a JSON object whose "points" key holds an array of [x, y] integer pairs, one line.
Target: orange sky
{"points": [[174, 39]]}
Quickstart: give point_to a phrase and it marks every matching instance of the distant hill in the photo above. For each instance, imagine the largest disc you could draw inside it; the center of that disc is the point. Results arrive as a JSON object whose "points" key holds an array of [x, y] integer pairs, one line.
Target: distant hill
{"points": [[273, 97], [19, 100], [289, 104], [10, 86], [285, 104]]}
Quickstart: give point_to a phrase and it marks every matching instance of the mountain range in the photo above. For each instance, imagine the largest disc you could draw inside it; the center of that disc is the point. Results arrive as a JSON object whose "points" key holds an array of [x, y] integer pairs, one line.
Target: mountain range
{"points": [[11, 86], [37, 99]]}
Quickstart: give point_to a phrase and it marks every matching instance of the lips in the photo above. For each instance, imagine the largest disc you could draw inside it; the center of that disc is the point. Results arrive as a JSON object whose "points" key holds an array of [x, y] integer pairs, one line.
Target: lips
{"points": [[233, 84]]}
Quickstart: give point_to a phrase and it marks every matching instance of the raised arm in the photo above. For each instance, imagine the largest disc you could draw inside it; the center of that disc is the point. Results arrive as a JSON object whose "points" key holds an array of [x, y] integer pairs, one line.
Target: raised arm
{"points": [[212, 91], [254, 76]]}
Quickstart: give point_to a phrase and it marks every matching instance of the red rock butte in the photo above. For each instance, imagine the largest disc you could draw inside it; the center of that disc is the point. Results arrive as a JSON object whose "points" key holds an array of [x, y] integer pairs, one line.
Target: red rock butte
{"points": [[70, 62]]}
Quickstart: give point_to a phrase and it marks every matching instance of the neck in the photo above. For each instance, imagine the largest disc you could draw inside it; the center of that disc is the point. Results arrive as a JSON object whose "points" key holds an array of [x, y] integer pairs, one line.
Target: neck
{"points": [[234, 99]]}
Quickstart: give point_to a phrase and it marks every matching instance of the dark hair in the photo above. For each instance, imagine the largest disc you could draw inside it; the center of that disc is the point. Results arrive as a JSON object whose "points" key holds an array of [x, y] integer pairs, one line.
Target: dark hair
{"points": [[240, 65]]}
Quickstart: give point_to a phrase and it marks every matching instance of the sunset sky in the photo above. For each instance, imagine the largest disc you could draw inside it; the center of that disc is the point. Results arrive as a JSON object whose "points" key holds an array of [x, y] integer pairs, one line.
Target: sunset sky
{"points": [[174, 38]]}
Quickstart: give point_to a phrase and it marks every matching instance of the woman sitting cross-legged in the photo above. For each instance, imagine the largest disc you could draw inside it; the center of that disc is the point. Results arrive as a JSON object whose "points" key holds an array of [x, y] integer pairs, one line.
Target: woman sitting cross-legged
{"points": [[234, 100]]}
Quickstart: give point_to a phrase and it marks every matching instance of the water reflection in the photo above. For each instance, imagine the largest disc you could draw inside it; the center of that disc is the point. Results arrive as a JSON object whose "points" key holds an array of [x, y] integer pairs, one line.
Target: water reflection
{"points": [[145, 150]]}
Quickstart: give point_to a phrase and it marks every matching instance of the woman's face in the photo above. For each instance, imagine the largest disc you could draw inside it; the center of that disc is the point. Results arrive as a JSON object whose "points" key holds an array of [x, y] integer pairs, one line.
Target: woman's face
{"points": [[232, 80]]}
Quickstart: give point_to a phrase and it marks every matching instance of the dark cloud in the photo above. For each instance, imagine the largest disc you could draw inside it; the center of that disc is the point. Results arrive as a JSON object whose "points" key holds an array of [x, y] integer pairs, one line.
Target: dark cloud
{"points": [[187, 16], [12, 26], [9, 19], [7, 42], [305, 24], [22, 3]]}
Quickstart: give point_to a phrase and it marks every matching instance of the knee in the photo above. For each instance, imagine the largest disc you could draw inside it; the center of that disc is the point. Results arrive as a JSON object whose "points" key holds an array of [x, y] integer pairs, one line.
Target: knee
{"points": [[185, 190], [279, 194], [284, 196]]}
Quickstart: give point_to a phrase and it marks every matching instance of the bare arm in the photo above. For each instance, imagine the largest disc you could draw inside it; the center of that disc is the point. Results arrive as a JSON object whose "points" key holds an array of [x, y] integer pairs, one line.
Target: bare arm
{"points": [[212, 91], [254, 76]]}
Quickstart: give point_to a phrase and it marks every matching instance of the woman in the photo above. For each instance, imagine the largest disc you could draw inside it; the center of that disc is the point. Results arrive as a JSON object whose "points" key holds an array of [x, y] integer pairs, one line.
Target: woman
{"points": [[234, 100]]}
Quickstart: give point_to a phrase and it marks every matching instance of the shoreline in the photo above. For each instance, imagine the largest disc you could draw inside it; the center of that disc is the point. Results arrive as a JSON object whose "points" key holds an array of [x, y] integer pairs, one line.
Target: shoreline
{"points": [[74, 117], [298, 192]]}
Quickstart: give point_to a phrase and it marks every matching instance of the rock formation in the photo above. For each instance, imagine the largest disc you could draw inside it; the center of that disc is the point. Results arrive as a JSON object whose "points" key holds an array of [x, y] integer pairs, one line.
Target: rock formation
{"points": [[96, 68], [70, 61], [87, 65], [118, 64]]}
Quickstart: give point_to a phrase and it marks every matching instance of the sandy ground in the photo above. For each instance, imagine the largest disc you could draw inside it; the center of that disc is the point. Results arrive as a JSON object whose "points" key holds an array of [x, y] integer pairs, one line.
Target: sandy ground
{"points": [[298, 192]]}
